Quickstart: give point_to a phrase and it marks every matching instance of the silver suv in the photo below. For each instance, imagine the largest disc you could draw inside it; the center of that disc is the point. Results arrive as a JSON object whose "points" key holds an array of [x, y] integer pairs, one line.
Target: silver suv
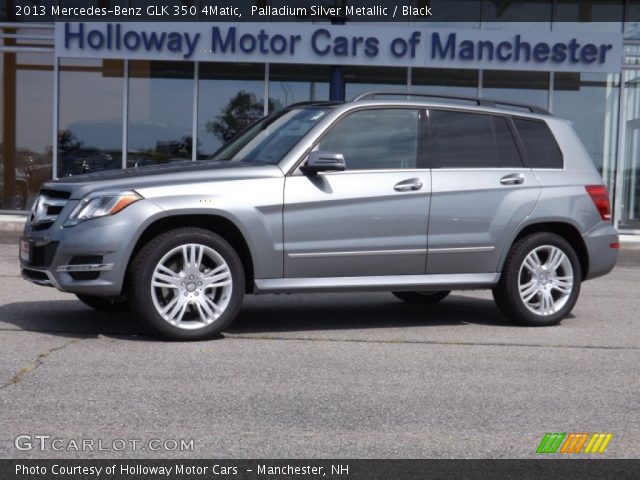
{"points": [[416, 197]]}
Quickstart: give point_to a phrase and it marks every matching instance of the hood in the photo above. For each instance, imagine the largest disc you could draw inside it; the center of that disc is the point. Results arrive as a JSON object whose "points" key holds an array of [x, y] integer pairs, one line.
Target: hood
{"points": [[161, 175]]}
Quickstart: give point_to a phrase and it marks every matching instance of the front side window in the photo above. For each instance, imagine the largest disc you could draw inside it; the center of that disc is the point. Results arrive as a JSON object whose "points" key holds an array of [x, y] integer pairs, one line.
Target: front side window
{"points": [[375, 139], [470, 140]]}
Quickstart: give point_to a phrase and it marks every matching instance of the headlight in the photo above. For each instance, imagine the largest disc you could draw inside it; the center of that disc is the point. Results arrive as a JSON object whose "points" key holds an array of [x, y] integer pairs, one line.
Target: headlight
{"points": [[100, 204]]}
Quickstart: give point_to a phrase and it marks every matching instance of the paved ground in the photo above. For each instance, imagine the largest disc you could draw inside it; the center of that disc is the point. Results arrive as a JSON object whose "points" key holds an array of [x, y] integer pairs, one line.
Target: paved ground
{"points": [[322, 376]]}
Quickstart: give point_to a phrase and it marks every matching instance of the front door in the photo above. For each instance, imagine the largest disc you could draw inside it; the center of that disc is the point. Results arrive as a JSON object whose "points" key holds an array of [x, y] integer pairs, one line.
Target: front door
{"points": [[370, 219]]}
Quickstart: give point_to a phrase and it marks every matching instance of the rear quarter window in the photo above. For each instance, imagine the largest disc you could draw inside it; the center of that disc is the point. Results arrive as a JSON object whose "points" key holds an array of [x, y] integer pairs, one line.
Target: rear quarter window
{"points": [[539, 144]]}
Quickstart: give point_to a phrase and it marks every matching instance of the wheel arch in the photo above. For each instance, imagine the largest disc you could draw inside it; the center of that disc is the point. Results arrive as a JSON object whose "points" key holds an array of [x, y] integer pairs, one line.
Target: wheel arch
{"points": [[565, 230], [215, 223]]}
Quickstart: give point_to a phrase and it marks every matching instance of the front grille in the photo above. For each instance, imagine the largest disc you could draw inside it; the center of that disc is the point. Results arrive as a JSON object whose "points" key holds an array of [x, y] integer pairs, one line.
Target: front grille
{"points": [[47, 207]]}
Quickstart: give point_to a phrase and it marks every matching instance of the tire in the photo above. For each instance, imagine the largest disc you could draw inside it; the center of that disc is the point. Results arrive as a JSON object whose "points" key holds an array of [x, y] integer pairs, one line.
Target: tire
{"points": [[424, 298], [197, 288], [104, 304], [548, 294]]}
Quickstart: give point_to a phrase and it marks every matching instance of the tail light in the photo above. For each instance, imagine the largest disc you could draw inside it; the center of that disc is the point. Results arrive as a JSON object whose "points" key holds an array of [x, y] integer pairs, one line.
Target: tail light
{"points": [[600, 198]]}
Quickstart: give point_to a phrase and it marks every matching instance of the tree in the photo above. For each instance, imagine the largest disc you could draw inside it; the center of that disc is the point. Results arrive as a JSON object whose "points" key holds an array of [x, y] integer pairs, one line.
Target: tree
{"points": [[68, 141], [242, 110]]}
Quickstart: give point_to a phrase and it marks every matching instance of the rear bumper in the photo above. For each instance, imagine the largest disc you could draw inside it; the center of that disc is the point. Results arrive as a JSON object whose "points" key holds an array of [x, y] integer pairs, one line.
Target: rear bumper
{"points": [[602, 255]]}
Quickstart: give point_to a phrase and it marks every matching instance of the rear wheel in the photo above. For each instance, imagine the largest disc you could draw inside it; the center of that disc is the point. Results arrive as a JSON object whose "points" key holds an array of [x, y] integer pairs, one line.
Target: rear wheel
{"points": [[187, 284], [540, 280], [425, 298], [104, 304]]}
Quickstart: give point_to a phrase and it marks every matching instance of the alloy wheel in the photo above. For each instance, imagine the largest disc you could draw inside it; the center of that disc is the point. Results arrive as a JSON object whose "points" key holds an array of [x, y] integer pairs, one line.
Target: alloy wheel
{"points": [[545, 280], [191, 286]]}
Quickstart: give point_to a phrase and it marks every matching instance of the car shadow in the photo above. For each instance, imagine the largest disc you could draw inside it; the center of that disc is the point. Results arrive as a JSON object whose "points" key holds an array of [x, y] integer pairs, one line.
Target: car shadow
{"points": [[285, 313], [264, 314]]}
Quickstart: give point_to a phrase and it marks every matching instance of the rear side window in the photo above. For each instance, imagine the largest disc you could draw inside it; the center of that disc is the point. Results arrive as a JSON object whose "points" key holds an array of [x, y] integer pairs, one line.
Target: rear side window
{"points": [[539, 143], [470, 140]]}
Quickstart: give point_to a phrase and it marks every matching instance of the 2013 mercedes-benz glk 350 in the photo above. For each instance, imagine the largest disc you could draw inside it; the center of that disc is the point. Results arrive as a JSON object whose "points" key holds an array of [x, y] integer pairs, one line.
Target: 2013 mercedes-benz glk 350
{"points": [[413, 196]]}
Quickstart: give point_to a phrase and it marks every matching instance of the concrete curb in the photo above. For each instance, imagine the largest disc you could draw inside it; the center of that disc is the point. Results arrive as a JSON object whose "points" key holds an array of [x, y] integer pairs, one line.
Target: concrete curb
{"points": [[12, 223]]}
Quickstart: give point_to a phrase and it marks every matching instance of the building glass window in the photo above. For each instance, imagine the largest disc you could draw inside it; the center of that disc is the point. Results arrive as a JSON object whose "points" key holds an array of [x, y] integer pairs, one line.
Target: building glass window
{"points": [[590, 101], [363, 79], [602, 16], [230, 97], [297, 83], [160, 112], [445, 81], [530, 14], [531, 88], [452, 13], [89, 115], [630, 201], [27, 112], [632, 20]]}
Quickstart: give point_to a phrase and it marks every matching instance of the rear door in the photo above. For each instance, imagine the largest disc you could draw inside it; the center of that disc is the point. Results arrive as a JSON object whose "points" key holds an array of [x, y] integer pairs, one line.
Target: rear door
{"points": [[481, 190], [370, 219]]}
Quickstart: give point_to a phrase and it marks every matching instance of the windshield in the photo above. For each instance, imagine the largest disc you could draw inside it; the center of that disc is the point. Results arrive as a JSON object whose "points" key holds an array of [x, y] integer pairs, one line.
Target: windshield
{"points": [[270, 139]]}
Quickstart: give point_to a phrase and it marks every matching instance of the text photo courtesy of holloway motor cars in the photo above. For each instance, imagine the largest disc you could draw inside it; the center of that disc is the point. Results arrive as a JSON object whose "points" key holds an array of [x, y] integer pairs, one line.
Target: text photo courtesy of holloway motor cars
{"points": [[342, 239]]}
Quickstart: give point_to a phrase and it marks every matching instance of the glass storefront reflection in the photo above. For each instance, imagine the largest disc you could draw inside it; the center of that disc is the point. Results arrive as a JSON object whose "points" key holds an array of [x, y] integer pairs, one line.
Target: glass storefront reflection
{"points": [[160, 112], [588, 16], [443, 81], [365, 79], [630, 201], [291, 84], [230, 97], [90, 116], [590, 101], [531, 88], [27, 112], [632, 20]]}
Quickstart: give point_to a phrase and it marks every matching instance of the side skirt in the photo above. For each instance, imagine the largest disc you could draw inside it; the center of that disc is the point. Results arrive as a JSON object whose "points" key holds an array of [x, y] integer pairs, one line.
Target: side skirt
{"points": [[457, 281]]}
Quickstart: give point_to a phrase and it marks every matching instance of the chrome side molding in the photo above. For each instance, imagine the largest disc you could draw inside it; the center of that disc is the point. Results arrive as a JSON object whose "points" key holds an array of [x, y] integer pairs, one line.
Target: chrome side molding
{"points": [[357, 253]]}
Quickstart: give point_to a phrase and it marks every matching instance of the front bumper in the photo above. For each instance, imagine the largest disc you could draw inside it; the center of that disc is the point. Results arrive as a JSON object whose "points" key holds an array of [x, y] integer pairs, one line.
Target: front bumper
{"points": [[90, 258]]}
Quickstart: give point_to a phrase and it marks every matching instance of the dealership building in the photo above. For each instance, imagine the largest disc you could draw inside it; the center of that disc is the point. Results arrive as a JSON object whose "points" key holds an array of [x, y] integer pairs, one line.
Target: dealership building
{"points": [[89, 96]]}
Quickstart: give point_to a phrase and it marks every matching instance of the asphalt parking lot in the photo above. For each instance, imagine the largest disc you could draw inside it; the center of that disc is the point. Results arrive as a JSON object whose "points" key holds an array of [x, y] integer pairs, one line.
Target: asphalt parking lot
{"points": [[319, 376]]}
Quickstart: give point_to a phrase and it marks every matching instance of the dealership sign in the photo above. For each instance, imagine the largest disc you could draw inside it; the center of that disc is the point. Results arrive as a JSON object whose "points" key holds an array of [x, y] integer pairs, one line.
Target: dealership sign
{"points": [[372, 45]]}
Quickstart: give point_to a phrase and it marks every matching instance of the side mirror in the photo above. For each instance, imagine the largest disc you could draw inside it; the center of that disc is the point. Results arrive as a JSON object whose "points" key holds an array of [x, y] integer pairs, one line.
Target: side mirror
{"points": [[320, 161]]}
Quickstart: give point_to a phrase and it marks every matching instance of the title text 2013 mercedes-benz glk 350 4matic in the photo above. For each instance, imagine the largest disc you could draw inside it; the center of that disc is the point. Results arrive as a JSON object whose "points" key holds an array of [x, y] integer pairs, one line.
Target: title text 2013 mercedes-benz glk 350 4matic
{"points": [[413, 195]]}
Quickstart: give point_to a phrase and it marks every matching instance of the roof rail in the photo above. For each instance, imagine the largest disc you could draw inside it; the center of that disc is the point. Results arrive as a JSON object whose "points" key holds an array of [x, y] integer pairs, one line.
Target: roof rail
{"points": [[313, 102], [484, 102]]}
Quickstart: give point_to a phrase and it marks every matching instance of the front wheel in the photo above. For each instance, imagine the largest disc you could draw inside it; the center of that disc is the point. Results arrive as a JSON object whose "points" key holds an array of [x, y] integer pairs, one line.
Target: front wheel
{"points": [[424, 298], [540, 280], [187, 284]]}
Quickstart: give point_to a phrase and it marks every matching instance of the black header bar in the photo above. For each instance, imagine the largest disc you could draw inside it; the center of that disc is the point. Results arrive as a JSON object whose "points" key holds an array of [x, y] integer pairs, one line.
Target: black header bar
{"points": [[336, 11]]}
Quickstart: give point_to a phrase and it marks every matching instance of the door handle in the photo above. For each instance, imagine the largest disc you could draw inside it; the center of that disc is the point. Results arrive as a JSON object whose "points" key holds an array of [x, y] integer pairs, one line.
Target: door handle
{"points": [[512, 179], [408, 185]]}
